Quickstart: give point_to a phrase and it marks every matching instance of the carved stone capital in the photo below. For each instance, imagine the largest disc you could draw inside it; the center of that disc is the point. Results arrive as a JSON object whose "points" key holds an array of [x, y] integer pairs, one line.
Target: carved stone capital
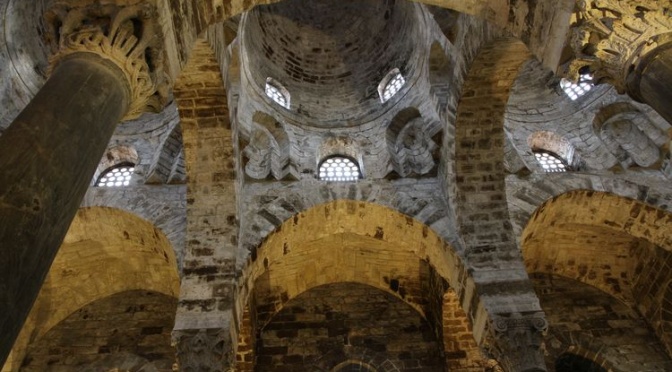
{"points": [[203, 350], [517, 341], [128, 37], [611, 36]]}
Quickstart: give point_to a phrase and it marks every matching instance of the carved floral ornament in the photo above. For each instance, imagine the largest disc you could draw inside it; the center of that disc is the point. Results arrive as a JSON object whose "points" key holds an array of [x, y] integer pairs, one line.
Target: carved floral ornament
{"points": [[611, 36], [124, 36]]}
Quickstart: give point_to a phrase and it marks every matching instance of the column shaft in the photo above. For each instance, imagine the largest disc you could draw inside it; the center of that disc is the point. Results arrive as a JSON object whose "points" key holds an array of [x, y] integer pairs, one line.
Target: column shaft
{"points": [[48, 156], [651, 82]]}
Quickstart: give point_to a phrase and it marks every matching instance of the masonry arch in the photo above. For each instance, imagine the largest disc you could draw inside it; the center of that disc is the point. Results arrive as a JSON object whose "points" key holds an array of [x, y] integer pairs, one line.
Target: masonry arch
{"points": [[614, 246], [106, 252], [360, 242]]}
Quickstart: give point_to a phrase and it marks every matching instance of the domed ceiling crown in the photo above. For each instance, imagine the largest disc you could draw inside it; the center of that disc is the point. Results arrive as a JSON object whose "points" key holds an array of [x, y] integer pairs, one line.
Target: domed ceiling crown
{"points": [[331, 55]]}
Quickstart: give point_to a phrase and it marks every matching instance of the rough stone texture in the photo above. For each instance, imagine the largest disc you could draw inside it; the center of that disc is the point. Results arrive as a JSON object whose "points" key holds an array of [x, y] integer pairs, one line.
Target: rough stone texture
{"points": [[331, 324], [253, 228], [137, 322], [589, 323], [106, 251], [208, 271]]}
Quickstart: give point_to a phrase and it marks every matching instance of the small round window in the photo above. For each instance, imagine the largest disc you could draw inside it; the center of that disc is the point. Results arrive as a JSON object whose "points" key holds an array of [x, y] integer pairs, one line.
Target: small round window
{"points": [[339, 168], [118, 175], [550, 162]]}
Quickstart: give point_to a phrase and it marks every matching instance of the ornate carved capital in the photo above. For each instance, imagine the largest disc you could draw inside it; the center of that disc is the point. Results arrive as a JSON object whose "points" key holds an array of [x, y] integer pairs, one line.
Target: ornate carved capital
{"points": [[517, 341], [611, 36], [128, 37], [203, 350]]}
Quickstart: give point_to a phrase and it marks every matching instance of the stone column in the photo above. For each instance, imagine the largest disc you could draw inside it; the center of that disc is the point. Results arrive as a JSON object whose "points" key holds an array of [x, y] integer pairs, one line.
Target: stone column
{"points": [[628, 44], [49, 154], [651, 81]]}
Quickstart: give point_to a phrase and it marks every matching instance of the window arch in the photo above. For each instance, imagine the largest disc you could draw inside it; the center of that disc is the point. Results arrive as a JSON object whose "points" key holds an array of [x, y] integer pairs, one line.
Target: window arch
{"points": [[390, 85], [277, 93], [339, 168], [116, 175], [578, 89], [551, 162], [552, 152]]}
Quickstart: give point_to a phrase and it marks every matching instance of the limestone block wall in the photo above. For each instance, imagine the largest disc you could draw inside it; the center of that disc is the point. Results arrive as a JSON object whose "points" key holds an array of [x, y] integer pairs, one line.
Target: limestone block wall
{"points": [[615, 335], [332, 324], [266, 206], [211, 226], [132, 322], [163, 206]]}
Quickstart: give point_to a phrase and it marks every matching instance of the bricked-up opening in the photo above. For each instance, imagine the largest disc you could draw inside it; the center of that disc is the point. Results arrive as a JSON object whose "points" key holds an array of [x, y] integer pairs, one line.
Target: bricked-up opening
{"points": [[332, 55], [390, 85], [116, 176], [551, 162], [339, 168], [276, 92]]}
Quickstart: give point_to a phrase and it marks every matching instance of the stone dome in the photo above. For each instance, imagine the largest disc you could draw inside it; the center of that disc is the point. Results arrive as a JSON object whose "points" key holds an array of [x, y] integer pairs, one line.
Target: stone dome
{"points": [[332, 55]]}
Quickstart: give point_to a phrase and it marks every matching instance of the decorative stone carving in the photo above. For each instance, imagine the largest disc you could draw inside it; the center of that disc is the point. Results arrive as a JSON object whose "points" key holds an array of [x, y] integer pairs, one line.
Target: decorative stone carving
{"points": [[125, 36], [517, 341], [268, 149], [200, 350], [611, 36]]}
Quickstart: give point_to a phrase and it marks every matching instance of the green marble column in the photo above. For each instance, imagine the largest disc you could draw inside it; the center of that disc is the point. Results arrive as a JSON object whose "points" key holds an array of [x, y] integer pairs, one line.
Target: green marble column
{"points": [[48, 157]]}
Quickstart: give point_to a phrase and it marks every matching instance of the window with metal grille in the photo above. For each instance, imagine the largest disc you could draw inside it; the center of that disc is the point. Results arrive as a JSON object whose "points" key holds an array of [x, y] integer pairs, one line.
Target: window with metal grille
{"points": [[118, 175], [339, 168]]}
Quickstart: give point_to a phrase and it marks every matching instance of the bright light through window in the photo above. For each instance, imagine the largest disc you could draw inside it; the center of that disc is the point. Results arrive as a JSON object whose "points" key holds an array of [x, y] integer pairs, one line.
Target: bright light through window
{"points": [[117, 176], [550, 162], [277, 93], [391, 85], [339, 169], [574, 91]]}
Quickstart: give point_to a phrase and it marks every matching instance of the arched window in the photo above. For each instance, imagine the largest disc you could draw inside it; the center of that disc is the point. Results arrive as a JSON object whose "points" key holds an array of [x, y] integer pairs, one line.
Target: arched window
{"points": [[276, 92], [390, 85], [576, 90], [339, 168], [117, 175], [551, 162]]}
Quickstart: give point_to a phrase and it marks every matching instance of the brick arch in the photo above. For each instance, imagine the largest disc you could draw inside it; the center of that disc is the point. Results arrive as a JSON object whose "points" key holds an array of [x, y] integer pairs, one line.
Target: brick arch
{"points": [[352, 241], [106, 251], [277, 209], [598, 238], [619, 245], [605, 210], [479, 175], [525, 197]]}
